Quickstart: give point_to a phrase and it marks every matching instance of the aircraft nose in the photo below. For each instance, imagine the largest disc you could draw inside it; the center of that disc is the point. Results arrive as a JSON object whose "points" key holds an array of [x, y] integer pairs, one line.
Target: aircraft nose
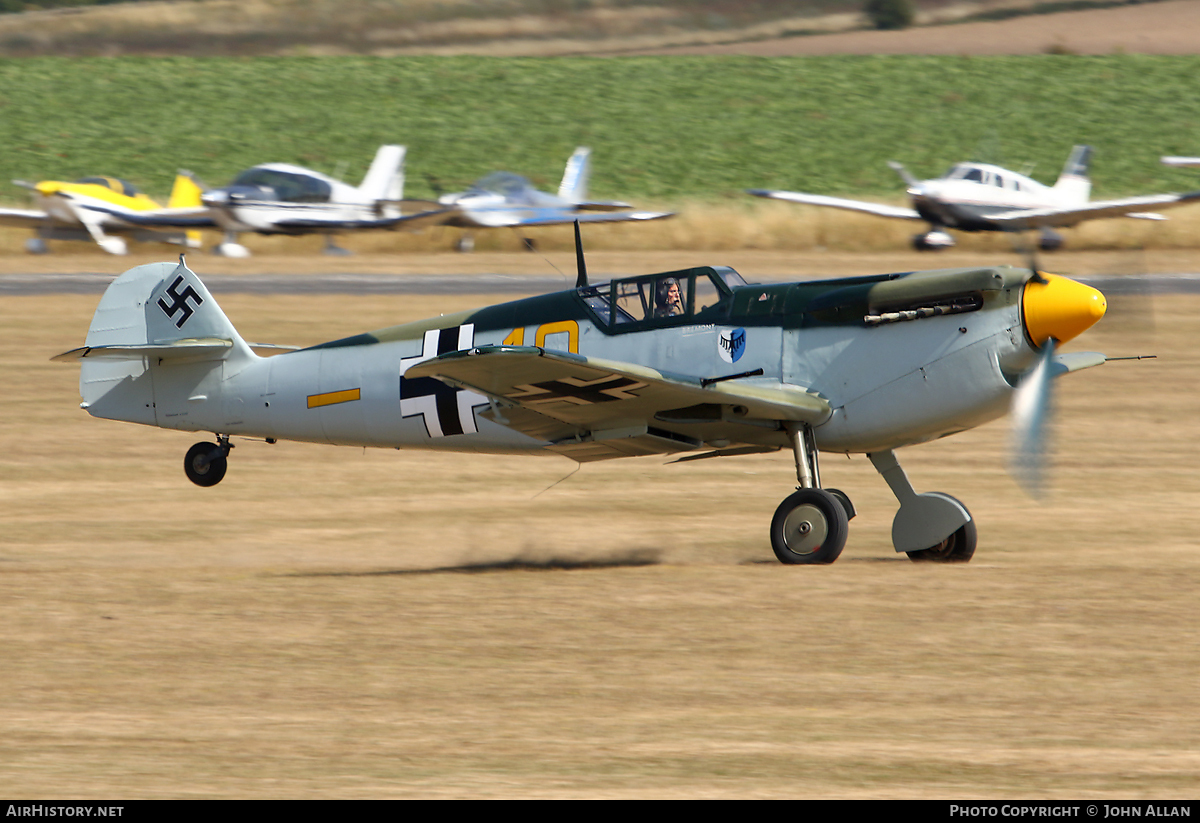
{"points": [[1061, 308]]}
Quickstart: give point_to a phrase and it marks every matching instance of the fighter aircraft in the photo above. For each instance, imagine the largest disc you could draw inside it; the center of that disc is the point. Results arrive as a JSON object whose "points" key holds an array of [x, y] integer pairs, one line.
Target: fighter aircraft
{"points": [[107, 210], [975, 197], [695, 362], [279, 198], [503, 200]]}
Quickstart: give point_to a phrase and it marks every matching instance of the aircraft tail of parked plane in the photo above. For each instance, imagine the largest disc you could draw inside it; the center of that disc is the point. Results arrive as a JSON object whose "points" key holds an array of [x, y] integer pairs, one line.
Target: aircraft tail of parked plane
{"points": [[186, 191], [1073, 185], [574, 184], [385, 179]]}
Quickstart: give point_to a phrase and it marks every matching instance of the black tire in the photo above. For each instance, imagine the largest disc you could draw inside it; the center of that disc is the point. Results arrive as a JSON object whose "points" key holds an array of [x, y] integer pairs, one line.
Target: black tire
{"points": [[844, 499], [1050, 241], [809, 527], [209, 474], [957, 548]]}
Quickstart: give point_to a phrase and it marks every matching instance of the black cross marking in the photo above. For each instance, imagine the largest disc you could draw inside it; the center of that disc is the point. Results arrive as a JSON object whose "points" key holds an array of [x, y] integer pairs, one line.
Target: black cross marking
{"points": [[579, 392], [181, 302], [445, 403], [444, 410]]}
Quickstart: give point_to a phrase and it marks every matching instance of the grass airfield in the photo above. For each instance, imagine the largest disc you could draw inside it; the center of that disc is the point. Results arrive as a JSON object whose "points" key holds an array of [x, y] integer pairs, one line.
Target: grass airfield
{"points": [[346, 623]]}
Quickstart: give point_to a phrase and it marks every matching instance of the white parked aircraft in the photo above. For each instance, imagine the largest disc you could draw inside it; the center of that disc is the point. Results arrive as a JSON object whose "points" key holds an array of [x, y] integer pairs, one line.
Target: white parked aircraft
{"points": [[979, 197], [506, 200], [279, 198]]}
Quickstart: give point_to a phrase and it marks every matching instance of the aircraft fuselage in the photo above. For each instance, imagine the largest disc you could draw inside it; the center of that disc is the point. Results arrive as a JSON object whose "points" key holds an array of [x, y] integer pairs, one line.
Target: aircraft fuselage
{"points": [[888, 385]]}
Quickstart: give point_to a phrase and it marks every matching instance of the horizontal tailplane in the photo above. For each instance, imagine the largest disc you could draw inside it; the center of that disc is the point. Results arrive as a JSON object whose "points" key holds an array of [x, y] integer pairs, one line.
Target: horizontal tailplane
{"points": [[151, 317]]}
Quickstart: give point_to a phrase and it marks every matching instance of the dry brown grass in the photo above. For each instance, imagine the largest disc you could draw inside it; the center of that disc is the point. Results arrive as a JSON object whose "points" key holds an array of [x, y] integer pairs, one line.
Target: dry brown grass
{"points": [[430, 26], [289, 634]]}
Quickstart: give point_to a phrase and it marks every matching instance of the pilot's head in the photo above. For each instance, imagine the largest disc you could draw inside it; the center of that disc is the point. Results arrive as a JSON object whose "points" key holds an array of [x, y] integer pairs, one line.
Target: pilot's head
{"points": [[668, 297]]}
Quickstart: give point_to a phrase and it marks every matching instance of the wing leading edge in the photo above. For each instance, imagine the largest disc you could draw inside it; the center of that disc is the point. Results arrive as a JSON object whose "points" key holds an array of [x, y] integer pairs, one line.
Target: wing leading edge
{"points": [[593, 409], [1062, 218], [878, 209]]}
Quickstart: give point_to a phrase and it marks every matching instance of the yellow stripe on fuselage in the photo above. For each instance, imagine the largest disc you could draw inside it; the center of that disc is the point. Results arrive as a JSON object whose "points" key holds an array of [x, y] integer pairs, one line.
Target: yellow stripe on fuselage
{"points": [[332, 397]]}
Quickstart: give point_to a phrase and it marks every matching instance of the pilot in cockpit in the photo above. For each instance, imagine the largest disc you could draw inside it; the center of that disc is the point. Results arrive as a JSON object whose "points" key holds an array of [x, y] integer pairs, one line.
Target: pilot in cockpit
{"points": [[668, 299]]}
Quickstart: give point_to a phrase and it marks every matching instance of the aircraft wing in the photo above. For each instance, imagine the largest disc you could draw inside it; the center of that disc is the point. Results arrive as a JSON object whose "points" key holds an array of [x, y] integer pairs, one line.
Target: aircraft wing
{"points": [[566, 218], [877, 209], [185, 218], [510, 217], [603, 205], [25, 218], [1181, 161], [592, 409], [1058, 218], [408, 221]]}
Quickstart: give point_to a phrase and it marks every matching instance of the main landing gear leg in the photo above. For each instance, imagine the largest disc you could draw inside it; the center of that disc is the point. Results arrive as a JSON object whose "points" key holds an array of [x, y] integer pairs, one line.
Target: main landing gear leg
{"points": [[931, 526], [811, 525], [205, 463]]}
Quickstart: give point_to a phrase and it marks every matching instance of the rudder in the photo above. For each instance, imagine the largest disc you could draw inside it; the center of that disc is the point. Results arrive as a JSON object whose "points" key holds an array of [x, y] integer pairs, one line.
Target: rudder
{"points": [[150, 315]]}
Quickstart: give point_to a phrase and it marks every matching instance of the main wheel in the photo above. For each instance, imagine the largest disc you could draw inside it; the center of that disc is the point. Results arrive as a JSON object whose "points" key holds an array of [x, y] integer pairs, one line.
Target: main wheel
{"points": [[957, 548], [200, 472], [809, 527]]}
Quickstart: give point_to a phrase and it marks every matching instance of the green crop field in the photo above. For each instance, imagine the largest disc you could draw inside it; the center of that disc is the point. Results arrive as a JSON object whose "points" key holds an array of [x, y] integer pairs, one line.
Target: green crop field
{"points": [[662, 128]]}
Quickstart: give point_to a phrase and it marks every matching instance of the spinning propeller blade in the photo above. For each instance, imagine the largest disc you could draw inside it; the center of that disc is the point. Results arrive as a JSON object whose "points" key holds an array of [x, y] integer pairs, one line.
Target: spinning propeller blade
{"points": [[1054, 309], [1031, 409]]}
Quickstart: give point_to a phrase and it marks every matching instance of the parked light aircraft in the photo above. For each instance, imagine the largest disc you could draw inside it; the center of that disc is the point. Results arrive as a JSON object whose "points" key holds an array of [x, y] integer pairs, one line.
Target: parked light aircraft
{"points": [[506, 200], [279, 198], [975, 197], [695, 362], [107, 210]]}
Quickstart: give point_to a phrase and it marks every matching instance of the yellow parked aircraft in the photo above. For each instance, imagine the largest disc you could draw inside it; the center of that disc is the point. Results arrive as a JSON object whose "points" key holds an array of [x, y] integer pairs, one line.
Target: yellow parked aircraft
{"points": [[108, 210]]}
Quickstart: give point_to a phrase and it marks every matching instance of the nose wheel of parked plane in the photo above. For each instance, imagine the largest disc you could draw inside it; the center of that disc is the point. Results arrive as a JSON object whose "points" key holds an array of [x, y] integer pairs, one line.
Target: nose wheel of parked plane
{"points": [[932, 240], [205, 463]]}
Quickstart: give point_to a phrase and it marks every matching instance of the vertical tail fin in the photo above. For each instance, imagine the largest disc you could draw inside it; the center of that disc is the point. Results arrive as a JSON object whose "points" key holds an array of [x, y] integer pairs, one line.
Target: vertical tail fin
{"points": [[574, 186], [186, 191], [1073, 186], [186, 194], [385, 178], [152, 315]]}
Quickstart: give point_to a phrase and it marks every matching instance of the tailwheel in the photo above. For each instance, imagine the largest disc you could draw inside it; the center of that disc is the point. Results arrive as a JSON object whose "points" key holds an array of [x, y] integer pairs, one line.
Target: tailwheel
{"points": [[206, 463], [957, 548], [809, 527]]}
